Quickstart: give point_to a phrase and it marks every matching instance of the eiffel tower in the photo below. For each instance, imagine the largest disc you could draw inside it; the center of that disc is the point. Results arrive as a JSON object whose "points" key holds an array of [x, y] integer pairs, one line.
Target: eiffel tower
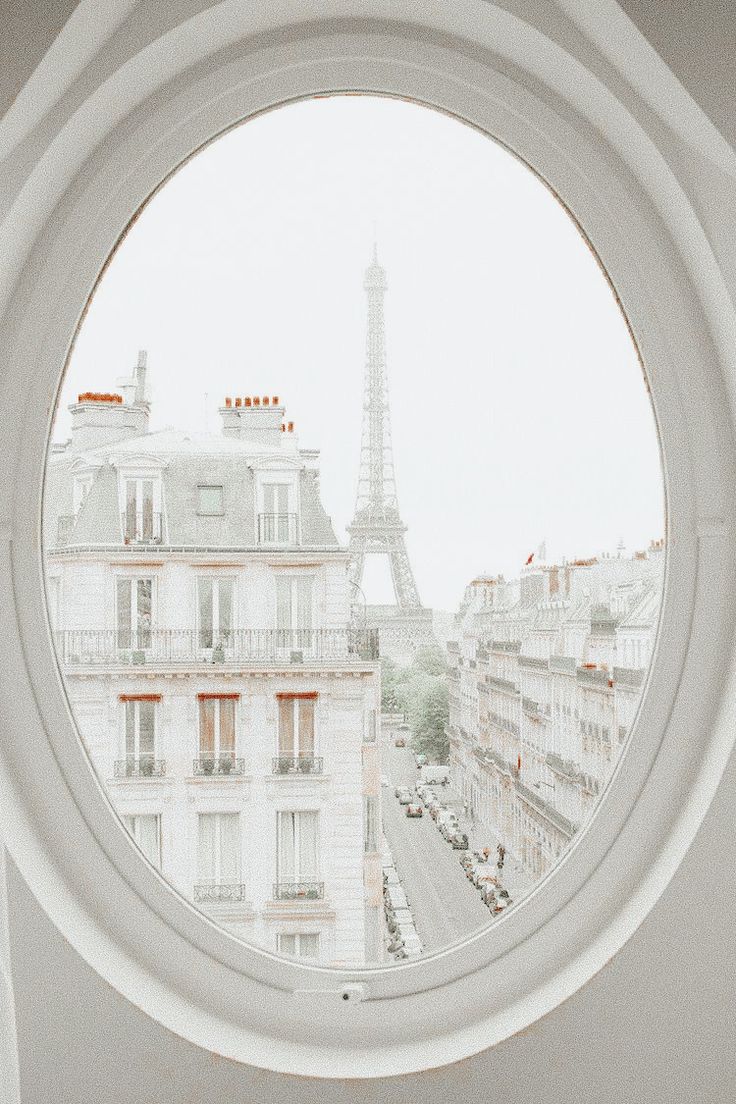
{"points": [[377, 526]]}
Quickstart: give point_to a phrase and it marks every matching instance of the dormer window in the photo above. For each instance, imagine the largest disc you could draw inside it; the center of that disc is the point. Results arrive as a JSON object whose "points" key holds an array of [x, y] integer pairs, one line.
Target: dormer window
{"points": [[277, 518], [142, 511], [82, 485]]}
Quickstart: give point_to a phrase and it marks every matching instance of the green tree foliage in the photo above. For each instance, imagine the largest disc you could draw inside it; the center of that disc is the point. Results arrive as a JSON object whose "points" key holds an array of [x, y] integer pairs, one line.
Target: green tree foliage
{"points": [[390, 680], [420, 692], [428, 719], [431, 660]]}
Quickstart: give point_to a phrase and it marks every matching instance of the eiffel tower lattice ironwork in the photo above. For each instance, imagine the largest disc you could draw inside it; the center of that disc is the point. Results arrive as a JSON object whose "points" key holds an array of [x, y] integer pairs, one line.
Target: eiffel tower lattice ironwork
{"points": [[377, 525]]}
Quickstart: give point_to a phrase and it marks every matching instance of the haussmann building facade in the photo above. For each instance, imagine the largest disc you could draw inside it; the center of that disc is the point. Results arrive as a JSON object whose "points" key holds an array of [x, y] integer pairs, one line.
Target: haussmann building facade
{"points": [[546, 673], [201, 609]]}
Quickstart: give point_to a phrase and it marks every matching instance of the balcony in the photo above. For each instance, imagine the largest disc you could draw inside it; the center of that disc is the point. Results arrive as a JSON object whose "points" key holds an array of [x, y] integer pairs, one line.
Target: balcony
{"points": [[141, 527], [218, 765], [298, 891], [144, 766], [219, 894], [278, 529], [297, 764], [280, 647]]}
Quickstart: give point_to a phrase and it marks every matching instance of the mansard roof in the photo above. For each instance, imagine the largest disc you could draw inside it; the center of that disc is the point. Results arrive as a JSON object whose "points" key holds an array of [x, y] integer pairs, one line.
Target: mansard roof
{"points": [[185, 461]]}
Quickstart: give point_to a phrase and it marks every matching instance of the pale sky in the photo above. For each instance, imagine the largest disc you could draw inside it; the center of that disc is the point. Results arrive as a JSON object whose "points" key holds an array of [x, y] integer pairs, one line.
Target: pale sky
{"points": [[519, 412]]}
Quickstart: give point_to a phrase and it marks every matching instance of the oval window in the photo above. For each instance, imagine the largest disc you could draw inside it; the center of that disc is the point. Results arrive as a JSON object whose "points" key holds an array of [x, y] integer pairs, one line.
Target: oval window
{"points": [[354, 569]]}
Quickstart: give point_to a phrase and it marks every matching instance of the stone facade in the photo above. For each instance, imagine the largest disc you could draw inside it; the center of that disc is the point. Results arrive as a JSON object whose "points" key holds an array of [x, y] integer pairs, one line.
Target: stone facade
{"points": [[546, 673], [201, 609]]}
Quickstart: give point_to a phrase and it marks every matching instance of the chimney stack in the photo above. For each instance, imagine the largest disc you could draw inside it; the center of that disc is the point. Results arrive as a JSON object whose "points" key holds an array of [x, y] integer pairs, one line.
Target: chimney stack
{"points": [[256, 419], [102, 418]]}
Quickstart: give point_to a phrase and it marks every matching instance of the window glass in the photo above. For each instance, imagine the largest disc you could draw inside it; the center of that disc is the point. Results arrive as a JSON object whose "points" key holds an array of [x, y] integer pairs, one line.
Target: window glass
{"points": [[146, 831], [297, 854], [404, 665], [210, 500], [219, 849]]}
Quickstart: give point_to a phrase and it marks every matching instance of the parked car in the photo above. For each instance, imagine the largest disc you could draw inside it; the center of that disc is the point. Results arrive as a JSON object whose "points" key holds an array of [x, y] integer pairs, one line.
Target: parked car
{"points": [[398, 899], [459, 841], [488, 895], [483, 875], [404, 796], [412, 945], [447, 822], [403, 918], [414, 810]]}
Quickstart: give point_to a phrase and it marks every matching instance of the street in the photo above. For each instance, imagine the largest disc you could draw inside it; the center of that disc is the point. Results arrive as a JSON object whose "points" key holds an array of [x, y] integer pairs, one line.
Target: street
{"points": [[446, 907]]}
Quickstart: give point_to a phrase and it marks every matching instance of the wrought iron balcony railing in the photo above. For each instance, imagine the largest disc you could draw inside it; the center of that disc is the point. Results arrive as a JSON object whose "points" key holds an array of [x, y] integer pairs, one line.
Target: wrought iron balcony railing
{"points": [[141, 527], [218, 765], [256, 646], [142, 766], [297, 764], [223, 892], [278, 529], [298, 891]]}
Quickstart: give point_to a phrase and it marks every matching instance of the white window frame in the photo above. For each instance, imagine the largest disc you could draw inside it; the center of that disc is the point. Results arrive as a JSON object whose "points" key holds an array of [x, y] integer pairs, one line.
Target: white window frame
{"points": [[136, 703], [139, 478], [298, 874], [642, 214], [136, 643], [132, 823], [217, 639], [298, 936], [218, 699], [217, 877], [281, 477], [82, 487], [210, 487], [294, 579], [297, 701]]}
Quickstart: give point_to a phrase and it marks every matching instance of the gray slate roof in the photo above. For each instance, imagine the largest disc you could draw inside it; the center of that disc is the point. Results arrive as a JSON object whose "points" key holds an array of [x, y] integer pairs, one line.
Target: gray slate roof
{"points": [[188, 463]]}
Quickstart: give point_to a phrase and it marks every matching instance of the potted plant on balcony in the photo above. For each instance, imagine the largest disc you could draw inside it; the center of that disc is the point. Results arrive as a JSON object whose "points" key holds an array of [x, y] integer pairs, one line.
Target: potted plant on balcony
{"points": [[226, 764], [208, 765], [146, 766], [283, 763], [218, 653], [304, 764]]}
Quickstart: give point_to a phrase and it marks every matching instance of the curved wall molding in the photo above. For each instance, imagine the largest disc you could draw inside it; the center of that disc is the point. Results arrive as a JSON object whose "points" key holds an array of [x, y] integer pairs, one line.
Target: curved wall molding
{"points": [[105, 148]]}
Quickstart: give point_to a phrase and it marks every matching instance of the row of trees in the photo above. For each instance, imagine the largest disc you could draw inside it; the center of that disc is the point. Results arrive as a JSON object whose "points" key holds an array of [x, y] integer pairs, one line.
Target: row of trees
{"points": [[420, 692]]}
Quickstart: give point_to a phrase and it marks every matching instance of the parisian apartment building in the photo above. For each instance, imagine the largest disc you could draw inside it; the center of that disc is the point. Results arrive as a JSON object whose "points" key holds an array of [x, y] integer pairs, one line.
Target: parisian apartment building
{"points": [[546, 673], [200, 605]]}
